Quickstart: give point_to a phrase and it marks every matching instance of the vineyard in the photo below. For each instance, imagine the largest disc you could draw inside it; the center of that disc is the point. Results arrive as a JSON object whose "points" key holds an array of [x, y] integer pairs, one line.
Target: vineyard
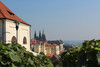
{"points": [[86, 55], [14, 55]]}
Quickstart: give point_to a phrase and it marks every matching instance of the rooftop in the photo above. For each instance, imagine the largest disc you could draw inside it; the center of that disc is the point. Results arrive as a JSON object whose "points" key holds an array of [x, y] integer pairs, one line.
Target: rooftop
{"points": [[6, 13]]}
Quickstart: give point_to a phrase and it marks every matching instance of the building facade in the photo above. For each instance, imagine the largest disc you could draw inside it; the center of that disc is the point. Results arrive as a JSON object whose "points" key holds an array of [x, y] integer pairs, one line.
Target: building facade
{"points": [[39, 46], [12, 28], [58, 42]]}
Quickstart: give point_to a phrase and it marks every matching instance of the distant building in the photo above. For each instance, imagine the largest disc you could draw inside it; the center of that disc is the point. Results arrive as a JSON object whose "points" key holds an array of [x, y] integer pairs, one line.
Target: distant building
{"points": [[58, 42], [41, 37], [39, 46], [52, 49], [12, 28]]}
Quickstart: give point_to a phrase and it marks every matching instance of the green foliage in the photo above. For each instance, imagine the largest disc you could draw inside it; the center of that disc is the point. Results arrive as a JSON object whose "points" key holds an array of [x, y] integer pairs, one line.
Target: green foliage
{"points": [[57, 63], [83, 55], [14, 55]]}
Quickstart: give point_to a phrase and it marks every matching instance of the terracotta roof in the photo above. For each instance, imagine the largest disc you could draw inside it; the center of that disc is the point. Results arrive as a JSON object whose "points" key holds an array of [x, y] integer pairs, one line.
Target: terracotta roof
{"points": [[32, 41], [38, 42], [51, 45], [5, 12], [42, 43], [50, 55]]}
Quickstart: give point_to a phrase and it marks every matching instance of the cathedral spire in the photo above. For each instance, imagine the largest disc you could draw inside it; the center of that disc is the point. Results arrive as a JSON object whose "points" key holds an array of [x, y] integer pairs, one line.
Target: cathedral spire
{"points": [[40, 37], [35, 36], [43, 36]]}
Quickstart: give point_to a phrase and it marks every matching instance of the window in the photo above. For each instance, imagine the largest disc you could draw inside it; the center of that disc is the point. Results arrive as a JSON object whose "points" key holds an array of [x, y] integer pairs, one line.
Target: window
{"points": [[12, 14], [14, 40], [24, 40]]}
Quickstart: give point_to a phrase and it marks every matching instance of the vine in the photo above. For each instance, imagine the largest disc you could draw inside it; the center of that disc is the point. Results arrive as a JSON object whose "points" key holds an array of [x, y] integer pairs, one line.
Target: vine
{"points": [[82, 55], [14, 55]]}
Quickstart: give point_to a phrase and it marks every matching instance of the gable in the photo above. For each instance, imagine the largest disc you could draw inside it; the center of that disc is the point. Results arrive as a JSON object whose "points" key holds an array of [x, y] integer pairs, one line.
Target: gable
{"points": [[6, 13]]}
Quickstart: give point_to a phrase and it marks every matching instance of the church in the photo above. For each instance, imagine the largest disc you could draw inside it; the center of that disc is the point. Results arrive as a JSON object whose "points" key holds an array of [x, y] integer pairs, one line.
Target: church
{"points": [[40, 44], [12, 28]]}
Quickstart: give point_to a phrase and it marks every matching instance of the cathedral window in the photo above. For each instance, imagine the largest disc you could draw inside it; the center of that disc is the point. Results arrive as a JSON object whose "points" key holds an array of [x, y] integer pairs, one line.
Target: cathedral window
{"points": [[24, 40], [14, 40]]}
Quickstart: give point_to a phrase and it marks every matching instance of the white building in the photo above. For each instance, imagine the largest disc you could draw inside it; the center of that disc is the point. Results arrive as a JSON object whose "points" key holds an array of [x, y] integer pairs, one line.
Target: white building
{"points": [[12, 28]]}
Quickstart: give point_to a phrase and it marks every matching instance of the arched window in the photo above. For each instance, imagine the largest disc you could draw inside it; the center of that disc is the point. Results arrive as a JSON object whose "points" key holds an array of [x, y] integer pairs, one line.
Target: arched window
{"points": [[14, 40], [24, 40]]}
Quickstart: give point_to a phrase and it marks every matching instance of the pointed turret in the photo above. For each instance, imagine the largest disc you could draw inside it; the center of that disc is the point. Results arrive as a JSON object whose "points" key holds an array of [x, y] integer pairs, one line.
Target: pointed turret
{"points": [[35, 37], [43, 36], [40, 37]]}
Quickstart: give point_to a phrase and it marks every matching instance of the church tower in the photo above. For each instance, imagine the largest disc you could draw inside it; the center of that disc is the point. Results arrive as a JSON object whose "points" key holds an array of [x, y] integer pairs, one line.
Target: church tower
{"points": [[43, 36], [40, 37], [35, 36]]}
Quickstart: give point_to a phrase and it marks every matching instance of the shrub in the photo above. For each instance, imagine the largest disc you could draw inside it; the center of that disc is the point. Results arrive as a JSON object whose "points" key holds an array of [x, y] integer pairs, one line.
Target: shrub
{"points": [[14, 55], [83, 55]]}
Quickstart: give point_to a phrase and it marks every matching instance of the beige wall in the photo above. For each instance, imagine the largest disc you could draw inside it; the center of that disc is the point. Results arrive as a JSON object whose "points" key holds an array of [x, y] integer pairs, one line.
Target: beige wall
{"points": [[42, 48], [48, 50], [57, 50], [53, 50], [24, 31], [37, 48], [61, 47]]}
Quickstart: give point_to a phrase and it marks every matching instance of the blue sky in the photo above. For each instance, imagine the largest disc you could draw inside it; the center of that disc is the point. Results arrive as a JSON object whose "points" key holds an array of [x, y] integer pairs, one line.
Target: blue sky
{"points": [[60, 19]]}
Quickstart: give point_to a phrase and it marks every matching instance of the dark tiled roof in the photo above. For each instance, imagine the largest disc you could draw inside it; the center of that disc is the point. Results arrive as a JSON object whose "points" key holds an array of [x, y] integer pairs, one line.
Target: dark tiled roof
{"points": [[55, 42]]}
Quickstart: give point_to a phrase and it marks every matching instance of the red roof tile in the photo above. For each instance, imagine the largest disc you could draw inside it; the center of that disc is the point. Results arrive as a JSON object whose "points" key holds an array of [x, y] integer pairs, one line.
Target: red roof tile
{"points": [[33, 40], [8, 14], [38, 42], [49, 45], [50, 55], [42, 43]]}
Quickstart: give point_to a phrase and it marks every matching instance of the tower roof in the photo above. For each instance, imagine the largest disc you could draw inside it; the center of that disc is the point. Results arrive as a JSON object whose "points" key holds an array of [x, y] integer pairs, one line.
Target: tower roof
{"points": [[6, 13]]}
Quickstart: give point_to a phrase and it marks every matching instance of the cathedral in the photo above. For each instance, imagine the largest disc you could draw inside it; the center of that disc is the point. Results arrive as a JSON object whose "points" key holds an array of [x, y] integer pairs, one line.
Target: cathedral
{"points": [[15, 30], [12, 28], [40, 44], [41, 37]]}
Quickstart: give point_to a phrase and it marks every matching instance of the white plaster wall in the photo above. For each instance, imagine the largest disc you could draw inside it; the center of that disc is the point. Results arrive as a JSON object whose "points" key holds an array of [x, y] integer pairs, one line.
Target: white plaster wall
{"points": [[57, 50], [61, 46], [10, 30], [24, 31]]}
